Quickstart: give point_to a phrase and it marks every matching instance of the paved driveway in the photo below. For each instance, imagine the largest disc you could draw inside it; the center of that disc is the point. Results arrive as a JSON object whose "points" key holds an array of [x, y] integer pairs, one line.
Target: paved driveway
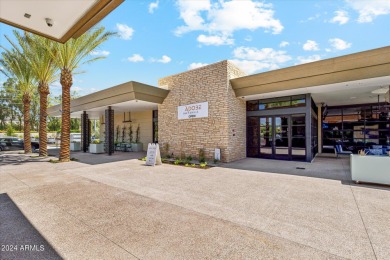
{"points": [[125, 210]]}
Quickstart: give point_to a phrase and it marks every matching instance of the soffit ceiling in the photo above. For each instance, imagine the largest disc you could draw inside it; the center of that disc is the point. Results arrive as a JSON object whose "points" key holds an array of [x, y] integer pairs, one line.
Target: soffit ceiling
{"points": [[70, 18], [343, 93], [124, 107]]}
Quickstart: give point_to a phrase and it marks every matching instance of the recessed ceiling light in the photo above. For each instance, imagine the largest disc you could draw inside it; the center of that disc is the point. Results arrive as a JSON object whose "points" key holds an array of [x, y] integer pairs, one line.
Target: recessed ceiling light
{"points": [[27, 15]]}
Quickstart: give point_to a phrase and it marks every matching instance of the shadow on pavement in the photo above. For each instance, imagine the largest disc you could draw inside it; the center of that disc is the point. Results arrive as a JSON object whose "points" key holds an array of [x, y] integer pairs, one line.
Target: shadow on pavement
{"points": [[94, 159], [321, 167], [19, 239]]}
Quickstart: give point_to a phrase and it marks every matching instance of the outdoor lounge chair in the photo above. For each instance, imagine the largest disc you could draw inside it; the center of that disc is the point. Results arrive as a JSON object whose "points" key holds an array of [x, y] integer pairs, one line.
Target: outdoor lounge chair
{"points": [[338, 149]]}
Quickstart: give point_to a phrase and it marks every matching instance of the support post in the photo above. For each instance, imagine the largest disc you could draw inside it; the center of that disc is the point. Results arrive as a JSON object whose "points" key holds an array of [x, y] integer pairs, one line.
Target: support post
{"points": [[308, 134], [85, 133], [319, 128], [109, 127]]}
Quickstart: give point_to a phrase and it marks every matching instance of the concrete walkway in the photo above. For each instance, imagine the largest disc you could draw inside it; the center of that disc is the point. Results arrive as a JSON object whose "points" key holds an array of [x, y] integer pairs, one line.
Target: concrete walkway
{"points": [[125, 210]]}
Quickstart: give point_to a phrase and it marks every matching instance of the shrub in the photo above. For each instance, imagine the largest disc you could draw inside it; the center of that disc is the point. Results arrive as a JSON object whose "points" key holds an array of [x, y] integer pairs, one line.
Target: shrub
{"points": [[203, 165], [202, 157], [177, 162], [10, 130], [189, 158], [97, 141]]}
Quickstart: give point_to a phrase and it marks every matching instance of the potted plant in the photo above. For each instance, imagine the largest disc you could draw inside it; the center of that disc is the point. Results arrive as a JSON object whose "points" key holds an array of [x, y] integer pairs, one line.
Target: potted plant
{"points": [[75, 146], [137, 146], [96, 146]]}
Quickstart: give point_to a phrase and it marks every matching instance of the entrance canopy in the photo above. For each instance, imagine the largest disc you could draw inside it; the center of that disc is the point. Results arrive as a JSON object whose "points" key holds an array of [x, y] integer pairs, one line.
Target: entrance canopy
{"points": [[352, 79], [131, 96], [58, 20]]}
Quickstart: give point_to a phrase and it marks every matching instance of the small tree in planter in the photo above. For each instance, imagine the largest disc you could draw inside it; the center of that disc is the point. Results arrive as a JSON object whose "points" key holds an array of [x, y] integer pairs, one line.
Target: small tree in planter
{"points": [[96, 146], [123, 133], [130, 133], [117, 134], [137, 146]]}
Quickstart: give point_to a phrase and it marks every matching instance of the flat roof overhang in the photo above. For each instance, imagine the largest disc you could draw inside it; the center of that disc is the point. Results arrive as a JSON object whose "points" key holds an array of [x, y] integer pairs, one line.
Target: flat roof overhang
{"points": [[359, 73], [70, 18], [129, 96]]}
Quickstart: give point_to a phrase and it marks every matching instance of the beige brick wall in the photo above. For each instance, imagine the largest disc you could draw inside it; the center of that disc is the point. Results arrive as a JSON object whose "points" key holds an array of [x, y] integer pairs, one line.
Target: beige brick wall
{"points": [[145, 121], [224, 127]]}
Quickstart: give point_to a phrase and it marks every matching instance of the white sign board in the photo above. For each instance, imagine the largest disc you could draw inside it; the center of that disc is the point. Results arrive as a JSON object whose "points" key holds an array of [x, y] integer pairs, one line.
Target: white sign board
{"points": [[217, 154], [153, 156], [197, 110]]}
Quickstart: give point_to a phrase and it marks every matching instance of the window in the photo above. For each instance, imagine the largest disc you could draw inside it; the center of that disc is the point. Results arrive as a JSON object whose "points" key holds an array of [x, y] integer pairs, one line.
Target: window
{"points": [[275, 103]]}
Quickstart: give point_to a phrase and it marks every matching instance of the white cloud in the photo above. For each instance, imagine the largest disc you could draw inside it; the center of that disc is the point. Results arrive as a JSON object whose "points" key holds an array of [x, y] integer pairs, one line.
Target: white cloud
{"points": [[252, 66], [341, 17], [124, 31], [164, 59], [215, 40], [310, 46], [264, 54], [223, 18], [369, 10], [251, 59], [190, 12], [307, 59], [196, 65], [77, 89], [284, 44], [100, 53], [135, 58], [339, 44], [153, 6]]}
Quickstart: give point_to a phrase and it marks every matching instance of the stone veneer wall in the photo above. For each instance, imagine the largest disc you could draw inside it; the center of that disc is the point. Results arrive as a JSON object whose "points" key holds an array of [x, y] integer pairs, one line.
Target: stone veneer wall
{"points": [[225, 127]]}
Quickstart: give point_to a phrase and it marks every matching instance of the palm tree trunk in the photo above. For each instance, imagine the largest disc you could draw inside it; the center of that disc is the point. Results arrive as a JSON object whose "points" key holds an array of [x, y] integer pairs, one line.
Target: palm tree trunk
{"points": [[66, 82], [26, 114], [43, 93]]}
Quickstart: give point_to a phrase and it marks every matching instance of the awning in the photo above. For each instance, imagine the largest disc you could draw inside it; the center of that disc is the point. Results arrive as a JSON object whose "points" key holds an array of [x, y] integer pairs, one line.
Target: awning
{"points": [[126, 97]]}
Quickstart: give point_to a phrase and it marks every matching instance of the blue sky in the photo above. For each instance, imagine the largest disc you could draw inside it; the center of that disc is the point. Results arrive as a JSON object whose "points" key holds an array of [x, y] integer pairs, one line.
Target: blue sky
{"points": [[164, 37]]}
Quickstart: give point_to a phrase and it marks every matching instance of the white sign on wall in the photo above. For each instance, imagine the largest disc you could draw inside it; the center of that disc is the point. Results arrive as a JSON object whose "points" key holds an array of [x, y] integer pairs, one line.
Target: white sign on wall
{"points": [[197, 110], [153, 156]]}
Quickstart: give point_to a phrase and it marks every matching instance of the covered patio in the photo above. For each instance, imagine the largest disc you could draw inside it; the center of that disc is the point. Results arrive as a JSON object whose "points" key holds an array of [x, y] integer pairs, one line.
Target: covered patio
{"points": [[129, 105]]}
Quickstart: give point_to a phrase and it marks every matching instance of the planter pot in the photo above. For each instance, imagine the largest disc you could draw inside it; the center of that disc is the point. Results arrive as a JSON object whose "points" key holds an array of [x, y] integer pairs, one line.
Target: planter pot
{"points": [[137, 147], [75, 146], [96, 148]]}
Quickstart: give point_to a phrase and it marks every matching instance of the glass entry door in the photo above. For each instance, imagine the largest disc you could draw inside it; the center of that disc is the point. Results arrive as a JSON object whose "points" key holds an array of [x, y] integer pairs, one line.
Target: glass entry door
{"points": [[266, 137], [276, 137], [282, 142]]}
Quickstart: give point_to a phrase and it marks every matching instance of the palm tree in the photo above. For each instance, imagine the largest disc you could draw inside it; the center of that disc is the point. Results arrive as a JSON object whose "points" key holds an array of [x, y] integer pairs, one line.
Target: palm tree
{"points": [[16, 66], [68, 57], [36, 52]]}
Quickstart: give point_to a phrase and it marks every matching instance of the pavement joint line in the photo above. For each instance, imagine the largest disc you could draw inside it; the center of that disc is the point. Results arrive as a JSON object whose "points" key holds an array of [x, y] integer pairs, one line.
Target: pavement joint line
{"points": [[91, 228], [19, 180], [364, 225], [221, 219]]}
